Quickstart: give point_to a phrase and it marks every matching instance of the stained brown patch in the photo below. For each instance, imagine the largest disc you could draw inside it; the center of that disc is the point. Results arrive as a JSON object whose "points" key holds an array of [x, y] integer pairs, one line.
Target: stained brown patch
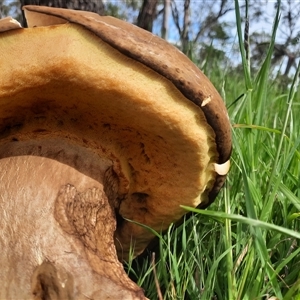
{"points": [[50, 282]]}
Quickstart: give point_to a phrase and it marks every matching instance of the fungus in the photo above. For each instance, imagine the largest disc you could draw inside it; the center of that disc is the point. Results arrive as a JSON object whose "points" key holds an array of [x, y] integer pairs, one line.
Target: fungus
{"points": [[100, 123]]}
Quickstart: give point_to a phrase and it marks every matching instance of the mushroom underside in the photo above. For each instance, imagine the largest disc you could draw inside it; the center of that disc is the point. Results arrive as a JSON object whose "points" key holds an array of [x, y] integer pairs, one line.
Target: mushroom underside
{"points": [[161, 160]]}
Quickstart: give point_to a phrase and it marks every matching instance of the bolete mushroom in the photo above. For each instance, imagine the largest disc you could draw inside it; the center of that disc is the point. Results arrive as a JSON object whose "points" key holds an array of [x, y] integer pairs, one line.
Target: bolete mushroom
{"points": [[100, 123]]}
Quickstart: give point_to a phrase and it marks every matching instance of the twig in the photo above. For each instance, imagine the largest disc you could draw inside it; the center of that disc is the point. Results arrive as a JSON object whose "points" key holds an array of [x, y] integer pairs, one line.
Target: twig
{"points": [[159, 294]]}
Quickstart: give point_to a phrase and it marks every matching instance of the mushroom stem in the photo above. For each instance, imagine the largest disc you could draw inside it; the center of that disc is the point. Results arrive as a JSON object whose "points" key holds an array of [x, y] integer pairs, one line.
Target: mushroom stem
{"points": [[60, 225]]}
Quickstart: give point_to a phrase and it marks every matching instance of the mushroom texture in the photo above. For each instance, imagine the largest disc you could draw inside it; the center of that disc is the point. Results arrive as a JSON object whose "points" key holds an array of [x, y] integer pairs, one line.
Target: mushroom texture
{"points": [[100, 123]]}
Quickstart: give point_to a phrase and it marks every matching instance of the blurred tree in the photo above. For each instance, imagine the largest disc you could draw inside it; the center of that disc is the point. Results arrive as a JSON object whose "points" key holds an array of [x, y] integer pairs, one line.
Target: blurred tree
{"points": [[287, 46], [166, 18], [183, 30], [147, 14], [200, 21], [290, 46], [7, 8]]}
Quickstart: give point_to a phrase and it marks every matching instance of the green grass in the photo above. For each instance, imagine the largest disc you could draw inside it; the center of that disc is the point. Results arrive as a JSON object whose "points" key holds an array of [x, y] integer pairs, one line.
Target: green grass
{"points": [[245, 245]]}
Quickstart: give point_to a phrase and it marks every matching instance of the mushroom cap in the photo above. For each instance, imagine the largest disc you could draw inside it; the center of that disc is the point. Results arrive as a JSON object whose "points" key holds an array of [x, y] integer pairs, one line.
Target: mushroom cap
{"points": [[127, 95]]}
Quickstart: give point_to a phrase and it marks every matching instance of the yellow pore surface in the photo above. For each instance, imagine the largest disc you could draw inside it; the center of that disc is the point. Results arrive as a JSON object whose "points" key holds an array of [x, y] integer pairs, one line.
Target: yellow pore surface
{"points": [[64, 81]]}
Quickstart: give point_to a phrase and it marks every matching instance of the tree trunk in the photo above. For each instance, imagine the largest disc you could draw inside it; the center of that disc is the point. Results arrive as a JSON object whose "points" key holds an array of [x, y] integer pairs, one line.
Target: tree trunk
{"points": [[290, 63], [186, 26], [147, 14], [166, 16]]}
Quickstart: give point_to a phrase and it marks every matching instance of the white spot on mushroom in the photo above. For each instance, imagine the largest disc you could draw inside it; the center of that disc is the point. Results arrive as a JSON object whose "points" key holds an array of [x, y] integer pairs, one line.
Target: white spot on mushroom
{"points": [[206, 101], [222, 169]]}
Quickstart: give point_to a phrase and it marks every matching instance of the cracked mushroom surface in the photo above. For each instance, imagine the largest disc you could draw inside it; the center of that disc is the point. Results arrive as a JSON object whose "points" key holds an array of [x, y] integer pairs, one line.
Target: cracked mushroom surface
{"points": [[100, 123]]}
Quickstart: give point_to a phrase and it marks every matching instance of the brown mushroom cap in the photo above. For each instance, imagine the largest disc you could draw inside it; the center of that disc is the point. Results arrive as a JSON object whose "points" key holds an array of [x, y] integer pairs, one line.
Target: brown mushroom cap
{"points": [[127, 96]]}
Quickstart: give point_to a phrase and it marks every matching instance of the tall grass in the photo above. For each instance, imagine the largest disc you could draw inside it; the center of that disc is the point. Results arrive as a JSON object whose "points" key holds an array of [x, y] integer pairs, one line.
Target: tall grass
{"points": [[245, 245]]}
